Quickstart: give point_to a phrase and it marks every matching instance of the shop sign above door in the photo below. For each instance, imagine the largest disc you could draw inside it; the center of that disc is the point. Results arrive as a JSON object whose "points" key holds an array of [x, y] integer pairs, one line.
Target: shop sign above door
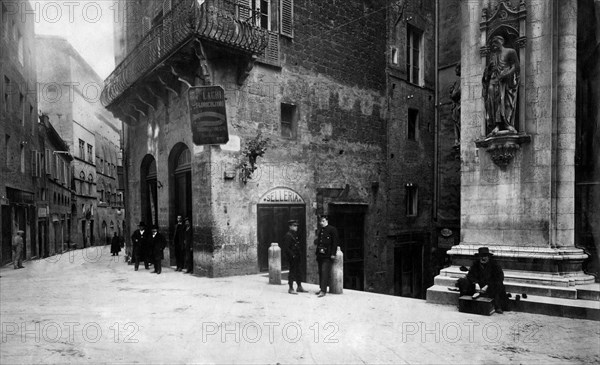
{"points": [[281, 196]]}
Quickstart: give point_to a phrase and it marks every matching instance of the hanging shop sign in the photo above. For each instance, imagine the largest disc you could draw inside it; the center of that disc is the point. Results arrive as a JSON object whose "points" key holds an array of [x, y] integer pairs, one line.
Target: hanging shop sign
{"points": [[207, 115]]}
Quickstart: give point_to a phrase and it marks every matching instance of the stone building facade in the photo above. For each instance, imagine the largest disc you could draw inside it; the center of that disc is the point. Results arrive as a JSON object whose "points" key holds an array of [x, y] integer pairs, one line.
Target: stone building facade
{"points": [[411, 139], [71, 90], [303, 78], [18, 131], [53, 166]]}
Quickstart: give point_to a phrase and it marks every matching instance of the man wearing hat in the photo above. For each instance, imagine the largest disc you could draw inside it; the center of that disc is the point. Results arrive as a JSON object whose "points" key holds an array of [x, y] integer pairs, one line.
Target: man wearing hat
{"points": [[17, 248], [327, 241], [292, 252], [189, 246], [485, 277], [139, 239], [158, 242]]}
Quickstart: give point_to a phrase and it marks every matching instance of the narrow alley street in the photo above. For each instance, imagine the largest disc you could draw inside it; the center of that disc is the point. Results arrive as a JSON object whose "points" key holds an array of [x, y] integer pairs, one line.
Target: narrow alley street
{"points": [[86, 306]]}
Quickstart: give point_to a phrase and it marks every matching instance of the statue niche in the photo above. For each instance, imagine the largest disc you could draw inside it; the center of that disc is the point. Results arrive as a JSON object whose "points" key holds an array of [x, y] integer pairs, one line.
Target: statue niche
{"points": [[502, 51], [500, 88]]}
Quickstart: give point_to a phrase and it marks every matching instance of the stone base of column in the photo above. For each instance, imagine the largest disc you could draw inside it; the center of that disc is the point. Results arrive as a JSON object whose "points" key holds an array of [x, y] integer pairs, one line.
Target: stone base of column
{"points": [[533, 265]]}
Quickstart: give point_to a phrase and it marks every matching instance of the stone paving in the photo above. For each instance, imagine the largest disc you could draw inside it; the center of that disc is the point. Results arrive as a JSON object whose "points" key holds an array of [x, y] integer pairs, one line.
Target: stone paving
{"points": [[86, 306]]}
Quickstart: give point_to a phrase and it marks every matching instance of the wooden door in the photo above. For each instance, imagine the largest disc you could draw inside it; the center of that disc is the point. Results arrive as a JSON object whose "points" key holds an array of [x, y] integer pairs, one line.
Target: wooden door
{"points": [[272, 227]]}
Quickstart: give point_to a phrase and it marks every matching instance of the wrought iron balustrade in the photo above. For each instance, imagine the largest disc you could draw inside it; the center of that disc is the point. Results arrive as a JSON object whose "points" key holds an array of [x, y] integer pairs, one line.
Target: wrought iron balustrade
{"points": [[220, 21]]}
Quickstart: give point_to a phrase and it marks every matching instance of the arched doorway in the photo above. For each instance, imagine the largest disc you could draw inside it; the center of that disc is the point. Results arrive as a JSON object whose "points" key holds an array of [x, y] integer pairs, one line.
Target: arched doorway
{"points": [[180, 174], [274, 209], [148, 190], [105, 233]]}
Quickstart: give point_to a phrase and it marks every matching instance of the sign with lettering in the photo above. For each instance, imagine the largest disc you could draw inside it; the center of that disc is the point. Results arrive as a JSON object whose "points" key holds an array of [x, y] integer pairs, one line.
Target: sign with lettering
{"points": [[207, 115], [281, 196]]}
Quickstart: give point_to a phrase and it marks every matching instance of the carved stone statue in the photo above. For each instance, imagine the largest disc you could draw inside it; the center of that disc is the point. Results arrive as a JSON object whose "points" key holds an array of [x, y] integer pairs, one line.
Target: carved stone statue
{"points": [[455, 97], [500, 88]]}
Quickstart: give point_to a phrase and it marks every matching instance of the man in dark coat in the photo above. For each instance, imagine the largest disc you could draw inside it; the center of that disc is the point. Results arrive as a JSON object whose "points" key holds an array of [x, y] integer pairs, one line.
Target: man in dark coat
{"points": [[485, 277], [327, 241], [139, 240], [189, 246], [115, 245], [292, 252], [178, 243], [158, 242]]}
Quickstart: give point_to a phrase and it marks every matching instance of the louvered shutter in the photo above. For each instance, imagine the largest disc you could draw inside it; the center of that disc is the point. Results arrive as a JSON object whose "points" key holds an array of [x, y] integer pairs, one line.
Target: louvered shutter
{"points": [[166, 7], [145, 25], [244, 10], [286, 17], [34, 166], [47, 164]]}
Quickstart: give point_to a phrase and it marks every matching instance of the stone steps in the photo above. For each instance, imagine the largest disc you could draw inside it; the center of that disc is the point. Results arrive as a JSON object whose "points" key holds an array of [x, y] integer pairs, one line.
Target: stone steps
{"points": [[563, 307]]}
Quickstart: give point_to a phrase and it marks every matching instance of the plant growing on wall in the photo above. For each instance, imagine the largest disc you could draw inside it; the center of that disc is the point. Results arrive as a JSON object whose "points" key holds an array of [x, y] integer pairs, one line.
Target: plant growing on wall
{"points": [[254, 148]]}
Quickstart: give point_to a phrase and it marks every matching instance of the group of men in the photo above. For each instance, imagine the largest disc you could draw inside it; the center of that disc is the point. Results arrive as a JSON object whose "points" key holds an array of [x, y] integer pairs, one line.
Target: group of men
{"points": [[149, 246]]}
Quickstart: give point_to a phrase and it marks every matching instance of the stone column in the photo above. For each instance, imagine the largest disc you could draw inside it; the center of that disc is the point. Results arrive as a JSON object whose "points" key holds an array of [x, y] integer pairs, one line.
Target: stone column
{"points": [[524, 212]]}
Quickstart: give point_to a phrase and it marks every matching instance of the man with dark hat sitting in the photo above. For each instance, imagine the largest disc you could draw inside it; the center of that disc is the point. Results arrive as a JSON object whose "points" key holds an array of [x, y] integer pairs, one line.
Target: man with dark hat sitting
{"points": [[485, 278], [292, 252]]}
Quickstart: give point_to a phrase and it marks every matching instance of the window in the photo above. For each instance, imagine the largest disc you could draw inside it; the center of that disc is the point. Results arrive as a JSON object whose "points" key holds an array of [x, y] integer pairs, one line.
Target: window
{"points": [[262, 13], [22, 158], [20, 47], [288, 120], [411, 200], [81, 149], [7, 91], [414, 54], [90, 153], [412, 124], [22, 109], [6, 140], [47, 162], [394, 56], [5, 21]]}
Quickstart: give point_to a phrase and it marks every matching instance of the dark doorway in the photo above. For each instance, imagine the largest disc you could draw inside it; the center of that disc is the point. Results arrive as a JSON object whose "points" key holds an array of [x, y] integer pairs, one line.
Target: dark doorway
{"points": [[6, 235], [349, 221], [42, 239], [408, 268], [148, 191], [84, 234], [272, 227]]}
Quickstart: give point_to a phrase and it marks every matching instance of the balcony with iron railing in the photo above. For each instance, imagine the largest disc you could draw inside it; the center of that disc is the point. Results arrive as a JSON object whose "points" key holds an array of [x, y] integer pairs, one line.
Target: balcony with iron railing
{"points": [[224, 23]]}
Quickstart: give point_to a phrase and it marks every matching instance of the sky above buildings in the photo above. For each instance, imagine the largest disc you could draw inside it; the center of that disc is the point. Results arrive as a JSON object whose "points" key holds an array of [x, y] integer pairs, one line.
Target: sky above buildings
{"points": [[86, 24]]}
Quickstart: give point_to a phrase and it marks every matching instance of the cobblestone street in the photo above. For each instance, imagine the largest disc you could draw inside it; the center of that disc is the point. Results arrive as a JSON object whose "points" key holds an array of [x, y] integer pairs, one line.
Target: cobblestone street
{"points": [[87, 306]]}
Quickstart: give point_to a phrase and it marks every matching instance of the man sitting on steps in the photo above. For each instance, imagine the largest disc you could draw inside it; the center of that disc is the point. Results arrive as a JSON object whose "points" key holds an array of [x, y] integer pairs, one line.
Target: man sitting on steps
{"points": [[485, 278]]}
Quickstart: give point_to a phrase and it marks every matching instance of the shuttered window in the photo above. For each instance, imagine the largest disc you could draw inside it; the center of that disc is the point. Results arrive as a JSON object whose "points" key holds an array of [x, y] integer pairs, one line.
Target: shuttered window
{"points": [[34, 163], [286, 17], [271, 53]]}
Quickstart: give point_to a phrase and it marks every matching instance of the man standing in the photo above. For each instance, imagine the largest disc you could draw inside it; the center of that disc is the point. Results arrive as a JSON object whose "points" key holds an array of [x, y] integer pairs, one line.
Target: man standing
{"points": [[158, 244], [327, 241], [115, 245], [178, 243], [139, 239], [17, 248], [486, 278], [292, 252], [189, 246]]}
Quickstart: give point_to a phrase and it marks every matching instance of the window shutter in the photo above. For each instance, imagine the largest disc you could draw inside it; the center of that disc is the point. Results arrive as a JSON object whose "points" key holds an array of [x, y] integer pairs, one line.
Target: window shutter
{"points": [[286, 17], [145, 25], [47, 162], [271, 53], [244, 12], [34, 167], [166, 6]]}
